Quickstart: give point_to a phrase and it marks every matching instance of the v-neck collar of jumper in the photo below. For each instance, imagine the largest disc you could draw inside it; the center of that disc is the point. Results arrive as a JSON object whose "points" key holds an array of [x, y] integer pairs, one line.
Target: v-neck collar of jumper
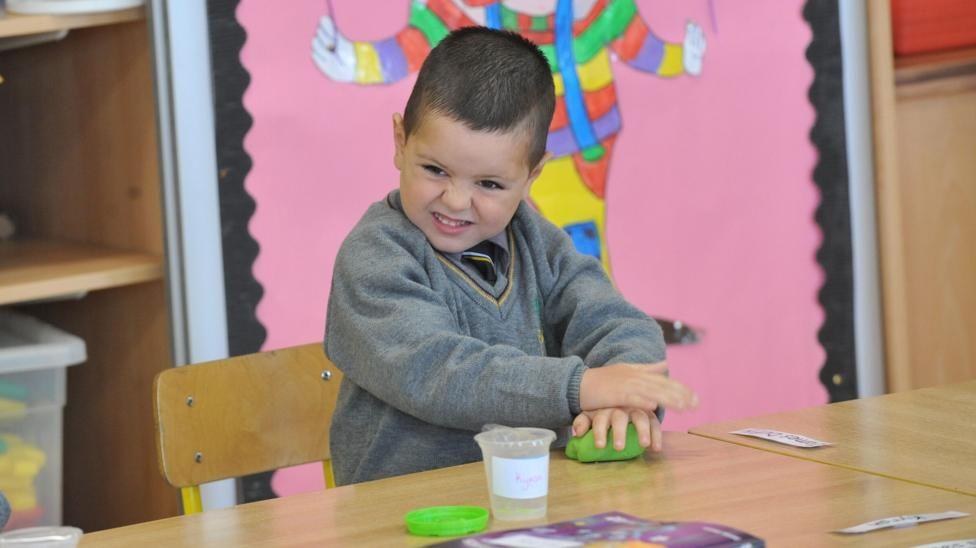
{"points": [[496, 293], [500, 258]]}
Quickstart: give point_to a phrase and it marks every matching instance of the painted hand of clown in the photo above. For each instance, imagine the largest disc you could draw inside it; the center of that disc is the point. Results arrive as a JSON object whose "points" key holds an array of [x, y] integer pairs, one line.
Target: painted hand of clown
{"points": [[333, 53], [693, 48]]}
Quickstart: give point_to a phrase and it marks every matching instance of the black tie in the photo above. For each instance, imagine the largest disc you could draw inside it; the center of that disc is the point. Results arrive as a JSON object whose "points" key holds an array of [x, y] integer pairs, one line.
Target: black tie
{"points": [[482, 257]]}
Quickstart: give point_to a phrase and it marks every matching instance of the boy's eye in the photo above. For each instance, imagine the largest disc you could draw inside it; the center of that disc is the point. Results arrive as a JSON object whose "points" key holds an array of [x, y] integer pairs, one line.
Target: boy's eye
{"points": [[434, 170], [490, 185]]}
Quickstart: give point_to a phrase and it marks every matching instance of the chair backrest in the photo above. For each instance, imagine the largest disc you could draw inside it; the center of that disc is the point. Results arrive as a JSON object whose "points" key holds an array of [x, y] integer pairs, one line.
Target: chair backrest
{"points": [[242, 415]]}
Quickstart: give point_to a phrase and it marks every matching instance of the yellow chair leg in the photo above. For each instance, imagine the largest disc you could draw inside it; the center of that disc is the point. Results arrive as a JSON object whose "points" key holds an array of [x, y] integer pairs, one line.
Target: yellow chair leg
{"points": [[192, 504], [327, 470]]}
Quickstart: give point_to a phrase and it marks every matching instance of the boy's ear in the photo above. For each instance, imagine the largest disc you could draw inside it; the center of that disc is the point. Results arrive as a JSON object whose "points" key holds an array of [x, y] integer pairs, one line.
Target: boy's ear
{"points": [[399, 140], [536, 171]]}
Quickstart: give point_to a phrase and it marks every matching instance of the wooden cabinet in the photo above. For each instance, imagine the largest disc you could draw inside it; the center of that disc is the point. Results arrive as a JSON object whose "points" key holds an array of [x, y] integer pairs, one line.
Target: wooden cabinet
{"points": [[924, 111], [79, 172]]}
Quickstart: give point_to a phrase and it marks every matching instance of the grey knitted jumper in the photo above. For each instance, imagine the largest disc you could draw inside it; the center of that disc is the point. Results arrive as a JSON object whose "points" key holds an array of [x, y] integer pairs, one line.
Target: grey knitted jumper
{"points": [[429, 356]]}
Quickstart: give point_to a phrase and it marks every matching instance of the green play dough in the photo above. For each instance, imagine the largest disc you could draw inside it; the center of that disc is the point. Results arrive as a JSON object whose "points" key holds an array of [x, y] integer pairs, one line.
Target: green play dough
{"points": [[582, 448]]}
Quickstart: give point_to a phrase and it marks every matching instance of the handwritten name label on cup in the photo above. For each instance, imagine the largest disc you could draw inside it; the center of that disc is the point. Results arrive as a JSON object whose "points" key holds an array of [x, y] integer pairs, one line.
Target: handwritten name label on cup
{"points": [[520, 478], [785, 438], [900, 521], [963, 543]]}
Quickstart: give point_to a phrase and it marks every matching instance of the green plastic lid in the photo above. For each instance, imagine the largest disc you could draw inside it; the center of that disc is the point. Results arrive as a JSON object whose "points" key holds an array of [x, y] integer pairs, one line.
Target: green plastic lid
{"points": [[447, 521]]}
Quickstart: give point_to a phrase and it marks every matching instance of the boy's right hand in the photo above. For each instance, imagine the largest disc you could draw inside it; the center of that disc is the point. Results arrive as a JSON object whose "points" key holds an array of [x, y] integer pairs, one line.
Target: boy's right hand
{"points": [[647, 426], [634, 385]]}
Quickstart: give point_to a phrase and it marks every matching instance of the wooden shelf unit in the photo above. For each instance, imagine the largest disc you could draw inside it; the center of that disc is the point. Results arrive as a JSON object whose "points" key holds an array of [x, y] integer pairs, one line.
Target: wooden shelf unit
{"points": [[13, 24], [40, 269], [924, 111], [79, 173]]}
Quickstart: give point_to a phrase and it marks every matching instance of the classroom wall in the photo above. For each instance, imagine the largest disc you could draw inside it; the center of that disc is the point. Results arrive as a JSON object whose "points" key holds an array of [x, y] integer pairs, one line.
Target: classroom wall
{"points": [[710, 198]]}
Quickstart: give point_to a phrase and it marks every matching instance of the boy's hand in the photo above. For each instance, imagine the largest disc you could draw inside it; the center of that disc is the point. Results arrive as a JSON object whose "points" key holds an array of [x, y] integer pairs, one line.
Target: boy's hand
{"points": [[634, 386], [647, 425]]}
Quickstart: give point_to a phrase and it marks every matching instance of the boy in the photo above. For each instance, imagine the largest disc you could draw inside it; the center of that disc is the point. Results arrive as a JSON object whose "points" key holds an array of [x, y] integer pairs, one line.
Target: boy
{"points": [[454, 304]]}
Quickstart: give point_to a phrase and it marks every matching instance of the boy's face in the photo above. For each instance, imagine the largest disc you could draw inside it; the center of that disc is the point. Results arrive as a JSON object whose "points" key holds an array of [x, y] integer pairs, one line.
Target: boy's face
{"points": [[458, 185]]}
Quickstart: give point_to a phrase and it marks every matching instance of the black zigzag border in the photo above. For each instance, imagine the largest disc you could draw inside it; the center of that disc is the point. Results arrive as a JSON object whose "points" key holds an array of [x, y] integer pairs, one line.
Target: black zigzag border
{"points": [[245, 334], [826, 94]]}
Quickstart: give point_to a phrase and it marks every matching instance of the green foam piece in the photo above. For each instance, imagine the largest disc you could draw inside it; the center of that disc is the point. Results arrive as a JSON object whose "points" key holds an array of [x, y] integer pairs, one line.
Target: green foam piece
{"points": [[583, 449]]}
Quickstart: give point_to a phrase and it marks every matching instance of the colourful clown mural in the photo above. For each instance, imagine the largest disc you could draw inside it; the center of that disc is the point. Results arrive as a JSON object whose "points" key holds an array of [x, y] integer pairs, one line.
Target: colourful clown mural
{"points": [[709, 217], [580, 38]]}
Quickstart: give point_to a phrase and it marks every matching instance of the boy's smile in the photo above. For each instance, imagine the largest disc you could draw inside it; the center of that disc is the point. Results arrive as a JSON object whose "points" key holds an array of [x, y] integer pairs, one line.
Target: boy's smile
{"points": [[461, 186]]}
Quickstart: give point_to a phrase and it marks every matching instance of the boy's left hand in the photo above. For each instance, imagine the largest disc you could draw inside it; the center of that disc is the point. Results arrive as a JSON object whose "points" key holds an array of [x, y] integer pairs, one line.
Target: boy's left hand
{"points": [[648, 427]]}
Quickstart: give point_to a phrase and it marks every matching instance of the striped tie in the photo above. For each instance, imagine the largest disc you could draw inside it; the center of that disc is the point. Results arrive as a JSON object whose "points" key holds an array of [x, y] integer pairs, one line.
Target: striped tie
{"points": [[481, 257]]}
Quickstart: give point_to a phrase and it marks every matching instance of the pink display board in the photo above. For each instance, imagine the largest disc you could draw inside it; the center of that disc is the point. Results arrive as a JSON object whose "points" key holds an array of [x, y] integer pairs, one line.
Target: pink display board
{"points": [[709, 202]]}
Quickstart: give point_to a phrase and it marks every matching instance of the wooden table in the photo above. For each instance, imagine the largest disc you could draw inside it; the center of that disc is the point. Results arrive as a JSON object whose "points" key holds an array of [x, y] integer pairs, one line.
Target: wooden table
{"points": [[786, 501], [925, 436]]}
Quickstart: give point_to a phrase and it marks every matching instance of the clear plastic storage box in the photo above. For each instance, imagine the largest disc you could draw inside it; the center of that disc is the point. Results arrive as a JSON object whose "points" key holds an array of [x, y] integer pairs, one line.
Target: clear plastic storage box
{"points": [[33, 359]]}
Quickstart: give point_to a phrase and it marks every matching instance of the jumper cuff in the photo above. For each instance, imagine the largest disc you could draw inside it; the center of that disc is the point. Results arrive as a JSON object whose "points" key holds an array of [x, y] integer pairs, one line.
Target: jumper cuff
{"points": [[573, 390]]}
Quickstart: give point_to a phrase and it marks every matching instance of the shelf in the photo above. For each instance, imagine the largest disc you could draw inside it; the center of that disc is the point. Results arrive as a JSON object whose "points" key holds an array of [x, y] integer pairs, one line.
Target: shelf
{"points": [[924, 67], [13, 24], [40, 269]]}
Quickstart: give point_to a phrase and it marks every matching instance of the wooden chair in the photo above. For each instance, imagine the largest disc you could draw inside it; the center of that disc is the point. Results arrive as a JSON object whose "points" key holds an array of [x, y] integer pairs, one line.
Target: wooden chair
{"points": [[243, 415]]}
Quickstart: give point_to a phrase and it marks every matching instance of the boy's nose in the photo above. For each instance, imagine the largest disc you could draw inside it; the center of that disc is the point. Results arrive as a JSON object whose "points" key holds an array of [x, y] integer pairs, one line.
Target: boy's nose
{"points": [[456, 197]]}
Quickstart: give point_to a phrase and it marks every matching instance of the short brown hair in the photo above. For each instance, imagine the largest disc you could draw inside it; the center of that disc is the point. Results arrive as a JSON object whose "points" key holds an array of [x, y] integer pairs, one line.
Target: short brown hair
{"points": [[489, 80]]}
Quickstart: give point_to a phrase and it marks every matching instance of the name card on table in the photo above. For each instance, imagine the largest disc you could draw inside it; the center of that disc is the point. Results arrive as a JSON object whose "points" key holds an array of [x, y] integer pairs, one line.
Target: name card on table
{"points": [[785, 438], [900, 521], [964, 543]]}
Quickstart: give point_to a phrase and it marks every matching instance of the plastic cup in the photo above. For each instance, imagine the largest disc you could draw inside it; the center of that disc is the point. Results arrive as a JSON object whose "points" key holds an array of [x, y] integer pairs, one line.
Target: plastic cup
{"points": [[517, 468]]}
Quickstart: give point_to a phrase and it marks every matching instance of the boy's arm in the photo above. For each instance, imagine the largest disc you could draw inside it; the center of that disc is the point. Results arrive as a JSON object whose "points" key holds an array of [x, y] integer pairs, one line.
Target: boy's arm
{"points": [[589, 317], [389, 60], [634, 43], [394, 336]]}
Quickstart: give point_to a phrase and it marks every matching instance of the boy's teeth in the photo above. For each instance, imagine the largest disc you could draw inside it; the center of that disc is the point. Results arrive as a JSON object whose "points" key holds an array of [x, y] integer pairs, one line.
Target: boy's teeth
{"points": [[447, 221]]}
